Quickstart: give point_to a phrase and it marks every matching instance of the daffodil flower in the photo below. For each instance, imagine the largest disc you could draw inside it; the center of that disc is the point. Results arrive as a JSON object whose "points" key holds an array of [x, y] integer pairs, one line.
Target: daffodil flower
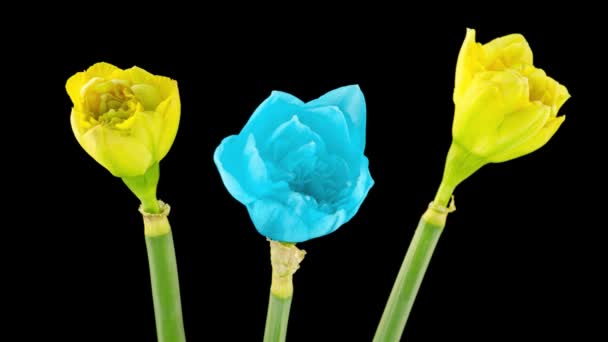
{"points": [[505, 107], [300, 169], [125, 119]]}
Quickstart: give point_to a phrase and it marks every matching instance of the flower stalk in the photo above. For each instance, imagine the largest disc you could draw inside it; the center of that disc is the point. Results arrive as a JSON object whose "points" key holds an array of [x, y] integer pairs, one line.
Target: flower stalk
{"points": [[505, 108], [127, 121], [412, 272], [285, 259], [163, 275]]}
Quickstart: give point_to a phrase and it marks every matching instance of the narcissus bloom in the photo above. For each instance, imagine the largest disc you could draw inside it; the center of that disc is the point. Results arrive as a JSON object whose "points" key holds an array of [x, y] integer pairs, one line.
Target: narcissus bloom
{"points": [[125, 119], [505, 107], [299, 167]]}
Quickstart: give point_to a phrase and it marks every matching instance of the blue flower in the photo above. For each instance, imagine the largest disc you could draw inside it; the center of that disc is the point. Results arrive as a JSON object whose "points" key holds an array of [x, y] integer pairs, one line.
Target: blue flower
{"points": [[299, 167]]}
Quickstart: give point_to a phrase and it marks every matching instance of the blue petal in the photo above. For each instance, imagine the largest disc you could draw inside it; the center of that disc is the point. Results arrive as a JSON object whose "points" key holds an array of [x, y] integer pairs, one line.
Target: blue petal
{"points": [[330, 123], [278, 108], [295, 221], [294, 217], [288, 137], [243, 171], [354, 198], [351, 102]]}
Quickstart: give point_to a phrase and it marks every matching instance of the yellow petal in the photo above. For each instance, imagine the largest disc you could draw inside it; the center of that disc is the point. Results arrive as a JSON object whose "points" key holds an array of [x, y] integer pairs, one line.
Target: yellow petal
{"points": [[467, 65], [102, 69], [534, 143], [491, 96], [560, 97], [165, 85], [507, 51], [514, 89], [169, 112], [147, 128], [545, 89], [538, 81], [77, 126], [549, 92], [73, 86], [521, 126], [474, 126], [148, 95], [78, 80], [121, 154], [137, 75]]}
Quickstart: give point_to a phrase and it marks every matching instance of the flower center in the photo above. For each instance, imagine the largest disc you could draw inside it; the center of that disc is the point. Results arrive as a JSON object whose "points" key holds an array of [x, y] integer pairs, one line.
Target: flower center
{"points": [[300, 158], [110, 102], [323, 179]]}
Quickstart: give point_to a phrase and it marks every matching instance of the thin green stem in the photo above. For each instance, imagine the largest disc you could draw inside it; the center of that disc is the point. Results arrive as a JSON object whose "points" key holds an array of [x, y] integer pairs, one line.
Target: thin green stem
{"points": [[442, 198], [163, 275], [285, 259], [165, 288], [459, 165], [144, 187], [410, 276], [150, 205], [277, 318]]}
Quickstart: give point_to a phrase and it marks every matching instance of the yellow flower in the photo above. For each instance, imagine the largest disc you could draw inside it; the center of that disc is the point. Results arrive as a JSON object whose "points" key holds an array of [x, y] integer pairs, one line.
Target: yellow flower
{"points": [[125, 119], [504, 107]]}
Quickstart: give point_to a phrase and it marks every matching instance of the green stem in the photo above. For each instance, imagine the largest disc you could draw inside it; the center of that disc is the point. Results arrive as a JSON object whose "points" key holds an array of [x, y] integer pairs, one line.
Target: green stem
{"points": [[410, 275], [277, 319], [144, 187], [459, 165], [285, 259], [442, 198], [164, 278]]}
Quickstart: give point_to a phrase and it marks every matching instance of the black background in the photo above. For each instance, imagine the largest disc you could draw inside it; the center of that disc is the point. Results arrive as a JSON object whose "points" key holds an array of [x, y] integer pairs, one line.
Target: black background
{"points": [[522, 257]]}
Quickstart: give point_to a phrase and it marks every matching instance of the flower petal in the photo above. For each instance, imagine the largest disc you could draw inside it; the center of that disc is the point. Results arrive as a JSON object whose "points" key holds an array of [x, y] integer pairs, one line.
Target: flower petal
{"points": [[170, 112], [506, 52], [122, 155], [490, 97], [351, 102], [102, 69], [331, 125], [474, 124], [534, 143], [136, 75], [354, 198], [242, 169], [146, 127], [520, 125], [467, 65], [555, 95], [79, 125], [295, 221], [288, 136], [297, 217], [75, 83], [278, 108]]}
